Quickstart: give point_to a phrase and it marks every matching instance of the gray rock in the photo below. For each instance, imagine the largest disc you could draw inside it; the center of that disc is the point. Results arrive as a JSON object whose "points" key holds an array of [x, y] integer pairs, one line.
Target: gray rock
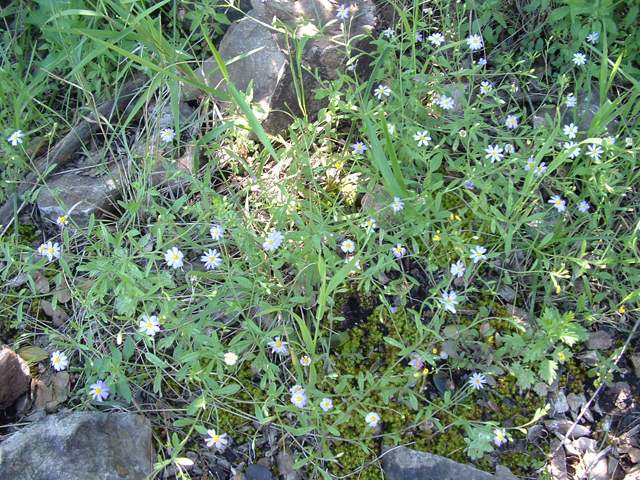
{"points": [[594, 465], [268, 70], [558, 462], [76, 446], [503, 473], [457, 91], [635, 360], [406, 464], [284, 464], [576, 402], [244, 36], [536, 432], [14, 377], [599, 340], [558, 403], [507, 293], [257, 472], [563, 426], [540, 117], [586, 110], [83, 195]]}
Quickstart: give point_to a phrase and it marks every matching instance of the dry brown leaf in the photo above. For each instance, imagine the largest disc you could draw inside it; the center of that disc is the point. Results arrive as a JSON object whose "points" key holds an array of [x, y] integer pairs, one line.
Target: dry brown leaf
{"points": [[41, 282], [18, 280], [63, 291], [58, 316]]}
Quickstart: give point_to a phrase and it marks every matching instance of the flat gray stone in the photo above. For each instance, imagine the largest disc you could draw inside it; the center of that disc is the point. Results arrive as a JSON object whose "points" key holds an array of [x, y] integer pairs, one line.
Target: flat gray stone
{"points": [[406, 464], [503, 473], [77, 446], [559, 403], [563, 426], [257, 472], [599, 340], [83, 195], [507, 293]]}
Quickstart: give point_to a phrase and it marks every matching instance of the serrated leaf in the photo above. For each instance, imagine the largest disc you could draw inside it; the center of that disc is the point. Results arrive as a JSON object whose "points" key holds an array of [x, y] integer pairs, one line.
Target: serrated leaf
{"points": [[525, 377], [548, 370]]}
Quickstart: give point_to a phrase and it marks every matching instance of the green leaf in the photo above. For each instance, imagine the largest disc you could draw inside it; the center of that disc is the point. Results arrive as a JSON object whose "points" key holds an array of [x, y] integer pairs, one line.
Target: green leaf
{"points": [[33, 353], [184, 422], [128, 348], [394, 343], [525, 377], [558, 14], [548, 370], [125, 391], [228, 389], [199, 403], [155, 360], [157, 381]]}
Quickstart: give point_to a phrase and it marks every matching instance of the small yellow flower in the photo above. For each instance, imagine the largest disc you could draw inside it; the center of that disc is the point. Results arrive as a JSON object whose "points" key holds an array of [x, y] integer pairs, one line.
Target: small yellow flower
{"points": [[622, 310], [435, 351], [562, 356], [558, 289]]}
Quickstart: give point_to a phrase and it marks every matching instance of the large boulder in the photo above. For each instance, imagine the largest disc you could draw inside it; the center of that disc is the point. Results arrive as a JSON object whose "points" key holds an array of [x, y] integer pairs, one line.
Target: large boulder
{"points": [[406, 464], [267, 67], [77, 446]]}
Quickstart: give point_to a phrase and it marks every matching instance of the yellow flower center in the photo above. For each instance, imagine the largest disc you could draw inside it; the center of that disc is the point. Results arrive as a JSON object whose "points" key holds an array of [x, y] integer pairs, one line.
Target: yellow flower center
{"points": [[279, 344], [51, 250], [216, 438], [149, 325], [176, 256], [98, 390]]}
